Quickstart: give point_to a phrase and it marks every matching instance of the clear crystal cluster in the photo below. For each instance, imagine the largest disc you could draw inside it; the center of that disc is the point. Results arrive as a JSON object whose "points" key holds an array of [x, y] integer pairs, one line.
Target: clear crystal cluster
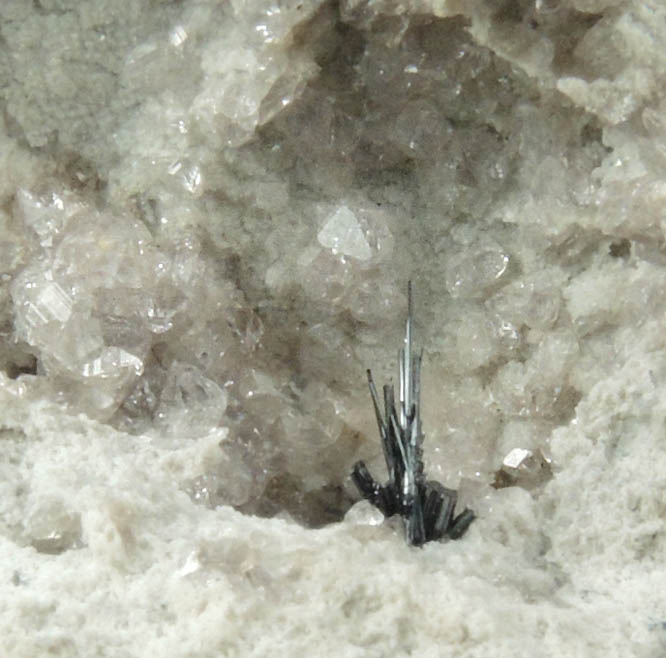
{"points": [[208, 222]]}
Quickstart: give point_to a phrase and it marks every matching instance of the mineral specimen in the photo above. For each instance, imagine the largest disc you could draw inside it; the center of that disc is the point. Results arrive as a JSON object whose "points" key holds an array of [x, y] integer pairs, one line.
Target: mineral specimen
{"points": [[426, 506], [207, 212], [523, 468]]}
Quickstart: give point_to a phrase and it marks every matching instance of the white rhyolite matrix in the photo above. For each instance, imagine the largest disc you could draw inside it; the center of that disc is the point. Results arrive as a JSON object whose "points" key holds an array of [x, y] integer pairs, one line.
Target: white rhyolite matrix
{"points": [[209, 213]]}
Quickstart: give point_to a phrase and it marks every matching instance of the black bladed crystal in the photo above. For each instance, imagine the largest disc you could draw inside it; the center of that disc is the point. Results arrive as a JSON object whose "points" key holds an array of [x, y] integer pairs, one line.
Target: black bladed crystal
{"points": [[426, 507]]}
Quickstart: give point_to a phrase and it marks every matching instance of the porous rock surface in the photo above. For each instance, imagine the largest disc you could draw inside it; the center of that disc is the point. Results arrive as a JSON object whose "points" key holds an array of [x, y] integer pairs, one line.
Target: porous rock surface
{"points": [[209, 213]]}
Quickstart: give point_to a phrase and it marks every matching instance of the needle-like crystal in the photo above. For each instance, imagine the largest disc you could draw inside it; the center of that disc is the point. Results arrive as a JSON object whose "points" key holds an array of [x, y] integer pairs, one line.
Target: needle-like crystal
{"points": [[426, 507]]}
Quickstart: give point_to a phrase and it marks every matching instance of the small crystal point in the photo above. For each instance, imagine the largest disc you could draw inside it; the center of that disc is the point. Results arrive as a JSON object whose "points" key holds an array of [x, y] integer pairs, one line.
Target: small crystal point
{"points": [[523, 468]]}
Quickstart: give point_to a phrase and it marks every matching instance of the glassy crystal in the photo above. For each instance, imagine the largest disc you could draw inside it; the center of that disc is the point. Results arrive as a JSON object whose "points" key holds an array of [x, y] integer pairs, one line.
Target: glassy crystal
{"points": [[190, 404], [474, 271], [52, 529], [523, 468], [343, 235]]}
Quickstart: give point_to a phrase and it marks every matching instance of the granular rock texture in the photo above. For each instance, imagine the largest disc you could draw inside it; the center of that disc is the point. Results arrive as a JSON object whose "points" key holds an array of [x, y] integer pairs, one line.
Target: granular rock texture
{"points": [[208, 215]]}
